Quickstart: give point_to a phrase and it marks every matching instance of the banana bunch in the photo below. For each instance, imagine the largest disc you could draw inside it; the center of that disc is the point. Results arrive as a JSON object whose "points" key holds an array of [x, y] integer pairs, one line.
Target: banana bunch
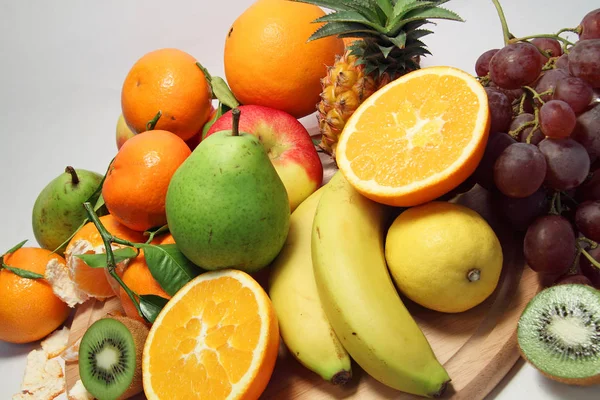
{"points": [[347, 290], [303, 325]]}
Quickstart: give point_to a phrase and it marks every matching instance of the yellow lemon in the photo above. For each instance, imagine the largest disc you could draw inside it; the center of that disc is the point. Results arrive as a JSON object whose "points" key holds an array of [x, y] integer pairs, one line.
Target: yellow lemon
{"points": [[443, 256]]}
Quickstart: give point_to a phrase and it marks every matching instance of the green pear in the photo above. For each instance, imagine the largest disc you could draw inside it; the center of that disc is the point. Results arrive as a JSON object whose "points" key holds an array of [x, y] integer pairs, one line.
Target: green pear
{"points": [[58, 210], [226, 205]]}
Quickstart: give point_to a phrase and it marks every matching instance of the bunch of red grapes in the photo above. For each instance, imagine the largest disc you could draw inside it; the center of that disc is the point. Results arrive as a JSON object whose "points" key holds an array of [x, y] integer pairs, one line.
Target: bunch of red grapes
{"points": [[542, 160]]}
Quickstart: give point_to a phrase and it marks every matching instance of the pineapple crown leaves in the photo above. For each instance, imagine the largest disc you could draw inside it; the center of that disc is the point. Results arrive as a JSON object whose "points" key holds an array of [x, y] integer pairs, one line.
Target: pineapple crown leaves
{"points": [[391, 29]]}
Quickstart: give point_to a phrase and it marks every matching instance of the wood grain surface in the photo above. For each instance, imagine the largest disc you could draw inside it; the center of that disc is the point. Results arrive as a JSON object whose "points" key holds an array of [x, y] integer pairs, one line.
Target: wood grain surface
{"points": [[477, 347]]}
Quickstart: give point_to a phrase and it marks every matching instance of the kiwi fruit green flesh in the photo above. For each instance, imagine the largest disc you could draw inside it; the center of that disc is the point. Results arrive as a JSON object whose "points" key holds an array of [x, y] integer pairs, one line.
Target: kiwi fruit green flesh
{"points": [[559, 333], [110, 358]]}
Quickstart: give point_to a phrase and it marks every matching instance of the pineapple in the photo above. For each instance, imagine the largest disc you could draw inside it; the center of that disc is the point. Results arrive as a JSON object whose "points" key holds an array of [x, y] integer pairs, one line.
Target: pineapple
{"points": [[387, 46]]}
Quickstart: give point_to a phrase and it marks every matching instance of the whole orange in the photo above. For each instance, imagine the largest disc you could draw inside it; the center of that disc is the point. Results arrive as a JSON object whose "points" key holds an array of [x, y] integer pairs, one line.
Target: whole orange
{"points": [[29, 310], [136, 184], [269, 62], [169, 81], [137, 277]]}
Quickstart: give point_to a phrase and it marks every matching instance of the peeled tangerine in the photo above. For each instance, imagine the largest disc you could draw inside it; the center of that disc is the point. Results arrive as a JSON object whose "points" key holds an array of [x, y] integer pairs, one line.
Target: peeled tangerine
{"points": [[443, 256], [74, 282]]}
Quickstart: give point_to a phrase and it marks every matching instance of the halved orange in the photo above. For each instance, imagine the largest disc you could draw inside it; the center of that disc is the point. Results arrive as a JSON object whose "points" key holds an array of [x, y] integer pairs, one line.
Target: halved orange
{"points": [[217, 338], [416, 138]]}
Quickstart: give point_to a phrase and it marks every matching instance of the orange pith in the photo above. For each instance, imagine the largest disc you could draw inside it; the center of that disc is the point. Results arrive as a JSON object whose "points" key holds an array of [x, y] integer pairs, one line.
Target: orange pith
{"points": [[417, 138], [216, 339], [93, 281]]}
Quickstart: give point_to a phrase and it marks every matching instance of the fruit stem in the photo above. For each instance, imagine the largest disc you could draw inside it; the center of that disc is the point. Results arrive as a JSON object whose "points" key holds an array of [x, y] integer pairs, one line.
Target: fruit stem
{"points": [[108, 239], [542, 35], [236, 122], [505, 31], [341, 378], [536, 125], [74, 177], [537, 95], [474, 274], [152, 123], [585, 253], [553, 206]]}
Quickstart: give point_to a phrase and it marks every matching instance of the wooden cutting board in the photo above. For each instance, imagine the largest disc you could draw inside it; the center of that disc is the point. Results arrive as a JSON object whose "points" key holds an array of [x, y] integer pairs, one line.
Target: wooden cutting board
{"points": [[477, 347]]}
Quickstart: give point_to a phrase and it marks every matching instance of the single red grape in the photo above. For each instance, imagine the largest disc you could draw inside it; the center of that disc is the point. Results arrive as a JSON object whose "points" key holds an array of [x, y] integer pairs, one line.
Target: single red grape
{"points": [[575, 92], [568, 164], [590, 25], [587, 131], [548, 81], [548, 45], [482, 65], [520, 170], [590, 189], [500, 110], [484, 174], [557, 119], [587, 219], [590, 270], [584, 61], [549, 245], [515, 65]]}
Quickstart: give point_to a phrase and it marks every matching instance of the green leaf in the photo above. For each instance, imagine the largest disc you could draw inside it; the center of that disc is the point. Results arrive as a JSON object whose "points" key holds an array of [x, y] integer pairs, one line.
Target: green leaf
{"points": [[399, 41], [387, 8], [221, 109], [400, 6], [99, 203], [386, 50], [413, 6], [421, 14], [23, 273], [15, 247], [223, 93], [100, 260], [419, 33], [350, 16], [171, 269], [151, 305], [335, 28], [158, 231]]}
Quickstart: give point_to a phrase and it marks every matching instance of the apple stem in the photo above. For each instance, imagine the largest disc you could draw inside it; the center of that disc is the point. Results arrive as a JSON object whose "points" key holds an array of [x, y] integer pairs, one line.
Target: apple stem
{"points": [[74, 177], [236, 122]]}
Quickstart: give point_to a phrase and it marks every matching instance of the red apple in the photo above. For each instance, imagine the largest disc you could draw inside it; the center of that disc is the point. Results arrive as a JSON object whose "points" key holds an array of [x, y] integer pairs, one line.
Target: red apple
{"points": [[123, 132], [288, 145]]}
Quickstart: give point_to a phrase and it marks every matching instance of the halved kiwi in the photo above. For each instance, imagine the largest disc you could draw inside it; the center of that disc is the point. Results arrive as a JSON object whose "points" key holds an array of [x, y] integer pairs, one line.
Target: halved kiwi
{"points": [[110, 357], [559, 333]]}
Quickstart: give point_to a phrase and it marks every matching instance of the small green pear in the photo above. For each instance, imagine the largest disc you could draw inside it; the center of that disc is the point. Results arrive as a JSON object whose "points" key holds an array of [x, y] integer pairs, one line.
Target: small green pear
{"points": [[226, 205], [58, 210]]}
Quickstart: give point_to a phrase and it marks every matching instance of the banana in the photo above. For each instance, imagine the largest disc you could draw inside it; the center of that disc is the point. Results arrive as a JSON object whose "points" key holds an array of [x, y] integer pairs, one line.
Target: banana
{"points": [[293, 291], [359, 297]]}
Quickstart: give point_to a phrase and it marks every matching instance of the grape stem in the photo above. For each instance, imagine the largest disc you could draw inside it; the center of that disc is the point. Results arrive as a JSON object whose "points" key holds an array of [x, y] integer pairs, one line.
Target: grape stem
{"points": [[556, 206], [507, 35], [536, 125], [537, 95], [542, 35], [587, 255]]}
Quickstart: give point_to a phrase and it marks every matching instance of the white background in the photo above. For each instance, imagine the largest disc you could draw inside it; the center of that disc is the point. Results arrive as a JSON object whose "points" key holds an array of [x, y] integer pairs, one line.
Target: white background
{"points": [[63, 63]]}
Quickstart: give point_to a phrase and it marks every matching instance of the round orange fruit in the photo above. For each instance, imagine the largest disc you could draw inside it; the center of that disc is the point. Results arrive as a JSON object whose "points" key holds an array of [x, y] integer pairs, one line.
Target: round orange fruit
{"points": [[136, 184], [269, 61], [137, 277], [416, 138], [29, 309], [169, 81]]}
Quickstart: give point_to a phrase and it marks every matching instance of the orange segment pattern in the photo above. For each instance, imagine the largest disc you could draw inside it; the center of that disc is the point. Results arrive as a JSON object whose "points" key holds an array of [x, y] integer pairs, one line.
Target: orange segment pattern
{"points": [[410, 134], [211, 338]]}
